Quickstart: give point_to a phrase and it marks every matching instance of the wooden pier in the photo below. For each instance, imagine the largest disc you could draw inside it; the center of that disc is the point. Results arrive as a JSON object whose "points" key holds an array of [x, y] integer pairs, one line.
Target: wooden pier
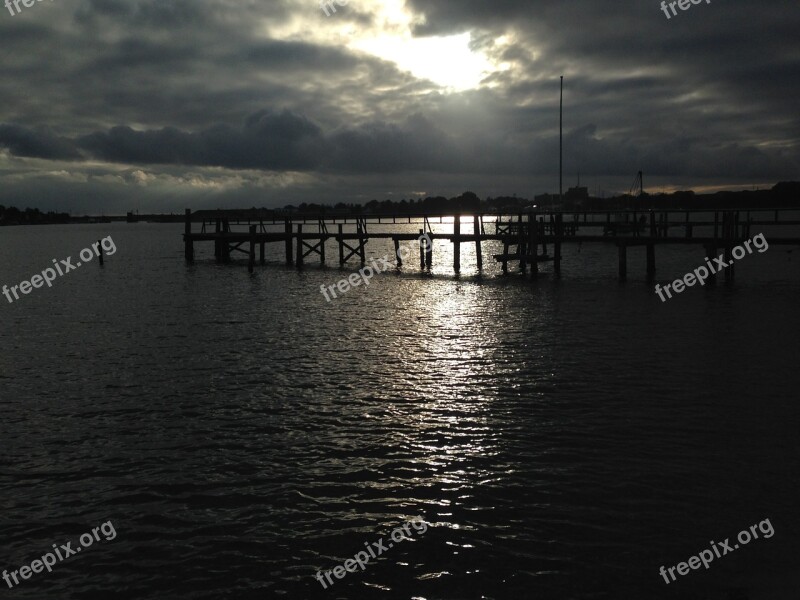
{"points": [[525, 237]]}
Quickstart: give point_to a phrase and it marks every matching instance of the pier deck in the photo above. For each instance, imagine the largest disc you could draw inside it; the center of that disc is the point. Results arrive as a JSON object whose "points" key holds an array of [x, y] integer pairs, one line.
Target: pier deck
{"points": [[522, 234]]}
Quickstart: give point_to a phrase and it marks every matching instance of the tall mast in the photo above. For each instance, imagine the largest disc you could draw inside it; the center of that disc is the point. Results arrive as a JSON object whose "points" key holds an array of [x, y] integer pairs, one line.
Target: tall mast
{"points": [[560, 144]]}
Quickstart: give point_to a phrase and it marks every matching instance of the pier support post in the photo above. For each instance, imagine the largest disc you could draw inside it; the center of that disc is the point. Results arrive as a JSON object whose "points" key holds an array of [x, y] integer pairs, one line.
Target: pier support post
{"points": [[217, 242], [225, 249], [557, 244], [252, 255], [429, 254], [541, 231], [360, 227], [299, 260], [100, 252], [533, 234], [341, 246], [322, 237], [623, 261], [421, 251], [476, 228], [397, 254], [457, 244], [521, 249], [287, 228], [188, 245]]}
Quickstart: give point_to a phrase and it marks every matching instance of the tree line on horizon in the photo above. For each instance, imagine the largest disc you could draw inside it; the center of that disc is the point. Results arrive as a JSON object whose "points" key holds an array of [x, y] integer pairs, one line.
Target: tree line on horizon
{"points": [[784, 194], [30, 216], [781, 195]]}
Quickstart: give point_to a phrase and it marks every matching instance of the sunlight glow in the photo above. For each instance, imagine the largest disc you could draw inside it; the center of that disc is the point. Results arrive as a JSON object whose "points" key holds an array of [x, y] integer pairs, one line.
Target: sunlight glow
{"points": [[446, 61]]}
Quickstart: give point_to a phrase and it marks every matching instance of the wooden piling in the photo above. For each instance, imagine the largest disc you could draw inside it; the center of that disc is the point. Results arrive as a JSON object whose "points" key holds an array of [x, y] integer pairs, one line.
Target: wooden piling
{"points": [[457, 244], [252, 254], [476, 228], [100, 252], [559, 233], [421, 250], [541, 229], [521, 242], [360, 229], [398, 257], [299, 259], [429, 254], [341, 246], [533, 235], [217, 241], [225, 249], [287, 228]]}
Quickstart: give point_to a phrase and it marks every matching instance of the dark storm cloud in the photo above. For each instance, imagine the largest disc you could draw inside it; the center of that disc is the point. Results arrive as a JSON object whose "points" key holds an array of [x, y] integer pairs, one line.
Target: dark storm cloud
{"points": [[168, 85], [22, 141], [265, 141]]}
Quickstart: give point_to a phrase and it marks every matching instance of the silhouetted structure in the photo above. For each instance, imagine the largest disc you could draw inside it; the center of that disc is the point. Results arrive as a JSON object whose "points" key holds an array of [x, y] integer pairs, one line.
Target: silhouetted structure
{"points": [[520, 238]]}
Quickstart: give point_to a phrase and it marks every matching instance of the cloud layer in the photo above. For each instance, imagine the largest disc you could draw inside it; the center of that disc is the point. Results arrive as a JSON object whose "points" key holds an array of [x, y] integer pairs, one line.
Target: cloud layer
{"points": [[246, 99]]}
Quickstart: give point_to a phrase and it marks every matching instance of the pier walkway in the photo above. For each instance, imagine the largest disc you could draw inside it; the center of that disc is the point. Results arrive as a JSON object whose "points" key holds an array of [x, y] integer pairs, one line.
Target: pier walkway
{"points": [[525, 237]]}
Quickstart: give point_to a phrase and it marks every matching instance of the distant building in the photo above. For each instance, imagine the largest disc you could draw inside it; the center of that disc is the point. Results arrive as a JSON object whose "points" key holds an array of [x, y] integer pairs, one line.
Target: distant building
{"points": [[577, 193], [576, 198]]}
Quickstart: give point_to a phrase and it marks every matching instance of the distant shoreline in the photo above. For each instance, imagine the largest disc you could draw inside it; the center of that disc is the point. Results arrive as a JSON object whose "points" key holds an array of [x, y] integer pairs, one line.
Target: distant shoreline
{"points": [[783, 195]]}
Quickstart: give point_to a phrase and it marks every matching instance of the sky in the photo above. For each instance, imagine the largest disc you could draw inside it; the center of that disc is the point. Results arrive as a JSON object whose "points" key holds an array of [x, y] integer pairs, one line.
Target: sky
{"points": [[108, 106]]}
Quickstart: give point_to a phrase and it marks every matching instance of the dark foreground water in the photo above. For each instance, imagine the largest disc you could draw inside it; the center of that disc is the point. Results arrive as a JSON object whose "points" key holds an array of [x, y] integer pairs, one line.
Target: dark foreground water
{"points": [[560, 439]]}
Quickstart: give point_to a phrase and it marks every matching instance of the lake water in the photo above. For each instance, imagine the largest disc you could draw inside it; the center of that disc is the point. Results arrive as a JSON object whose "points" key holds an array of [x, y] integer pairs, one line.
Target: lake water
{"points": [[561, 439]]}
